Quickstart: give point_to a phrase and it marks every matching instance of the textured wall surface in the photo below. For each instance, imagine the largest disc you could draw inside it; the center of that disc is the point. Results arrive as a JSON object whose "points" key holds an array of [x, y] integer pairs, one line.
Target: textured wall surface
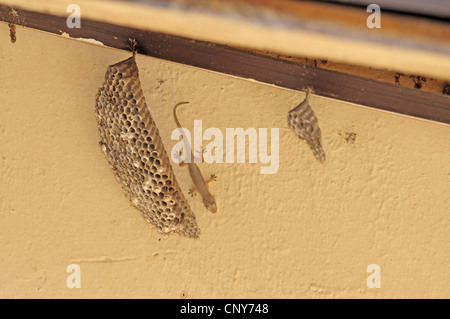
{"points": [[311, 230]]}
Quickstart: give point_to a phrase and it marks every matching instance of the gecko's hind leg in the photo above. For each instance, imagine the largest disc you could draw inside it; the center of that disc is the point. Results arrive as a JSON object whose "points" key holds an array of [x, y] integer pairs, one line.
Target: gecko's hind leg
{"points": [[179, 158], [193, 191]]}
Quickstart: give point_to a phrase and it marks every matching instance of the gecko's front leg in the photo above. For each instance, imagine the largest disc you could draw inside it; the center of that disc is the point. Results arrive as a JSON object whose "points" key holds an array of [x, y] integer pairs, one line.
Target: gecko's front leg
{"points": [[213, 178]]}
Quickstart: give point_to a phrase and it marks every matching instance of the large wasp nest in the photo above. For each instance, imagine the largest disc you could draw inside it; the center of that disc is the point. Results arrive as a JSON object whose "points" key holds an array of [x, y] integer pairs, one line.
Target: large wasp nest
{"points": [[136, 155], [302, 120]]}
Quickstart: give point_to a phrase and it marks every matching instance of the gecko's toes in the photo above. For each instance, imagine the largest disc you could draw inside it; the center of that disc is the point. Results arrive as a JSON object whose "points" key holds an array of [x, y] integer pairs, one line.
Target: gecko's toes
{"points": [[192, 192]]}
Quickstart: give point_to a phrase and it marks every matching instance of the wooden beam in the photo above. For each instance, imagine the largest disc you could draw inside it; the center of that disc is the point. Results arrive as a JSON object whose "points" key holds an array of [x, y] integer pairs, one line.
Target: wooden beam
{"points": [[241, 63]]}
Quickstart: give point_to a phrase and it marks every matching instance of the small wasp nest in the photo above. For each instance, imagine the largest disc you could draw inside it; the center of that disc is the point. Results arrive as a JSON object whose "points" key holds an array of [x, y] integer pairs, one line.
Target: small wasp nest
{"points": [[135, 152], [304, 123]]}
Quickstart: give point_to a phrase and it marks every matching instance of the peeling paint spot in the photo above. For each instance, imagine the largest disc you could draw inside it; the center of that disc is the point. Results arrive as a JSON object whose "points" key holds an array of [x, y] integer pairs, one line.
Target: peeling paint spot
{"points": [[12, 32], [349, 137], [398, 75], [418, 80], [92, 41], [446, 89]]}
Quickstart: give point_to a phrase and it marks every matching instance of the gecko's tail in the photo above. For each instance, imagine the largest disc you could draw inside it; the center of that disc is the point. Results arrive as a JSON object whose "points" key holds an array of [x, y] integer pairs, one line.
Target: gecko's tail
{"points": [[175, 112]]}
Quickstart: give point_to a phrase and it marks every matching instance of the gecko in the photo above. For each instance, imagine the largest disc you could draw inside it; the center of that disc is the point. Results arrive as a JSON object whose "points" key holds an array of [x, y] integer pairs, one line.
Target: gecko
{"points": [[200, 184]]}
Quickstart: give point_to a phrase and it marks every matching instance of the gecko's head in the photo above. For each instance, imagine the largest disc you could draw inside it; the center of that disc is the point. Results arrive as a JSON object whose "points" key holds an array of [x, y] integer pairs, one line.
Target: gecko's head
{"points": [[210, 204]]}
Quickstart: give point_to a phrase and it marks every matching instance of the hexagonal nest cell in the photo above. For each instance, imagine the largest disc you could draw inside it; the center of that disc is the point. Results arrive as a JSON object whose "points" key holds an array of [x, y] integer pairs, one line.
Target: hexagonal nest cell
{"points": [[131, 142]]}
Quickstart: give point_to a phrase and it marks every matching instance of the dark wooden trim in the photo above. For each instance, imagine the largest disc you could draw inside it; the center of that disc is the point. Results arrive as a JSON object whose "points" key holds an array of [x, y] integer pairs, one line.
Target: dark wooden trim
{"points": [[241, 63]]}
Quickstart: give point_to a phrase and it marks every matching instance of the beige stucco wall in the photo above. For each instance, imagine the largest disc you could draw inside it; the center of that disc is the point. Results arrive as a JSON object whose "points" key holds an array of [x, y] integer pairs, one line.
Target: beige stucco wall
{"points": [[310, 230]]}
